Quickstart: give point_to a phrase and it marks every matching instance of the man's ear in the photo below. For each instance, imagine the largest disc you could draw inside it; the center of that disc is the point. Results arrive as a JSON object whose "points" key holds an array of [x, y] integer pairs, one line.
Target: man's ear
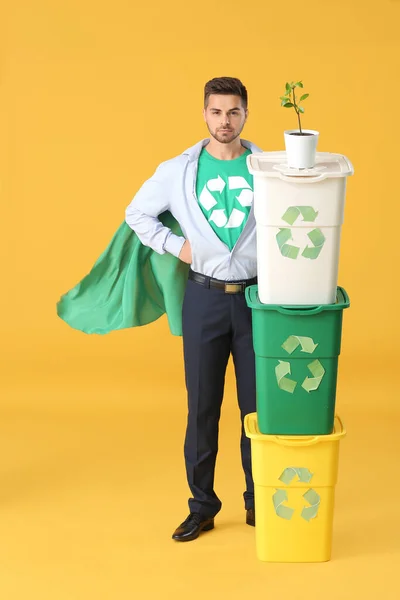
{"points": [[204, 113]]}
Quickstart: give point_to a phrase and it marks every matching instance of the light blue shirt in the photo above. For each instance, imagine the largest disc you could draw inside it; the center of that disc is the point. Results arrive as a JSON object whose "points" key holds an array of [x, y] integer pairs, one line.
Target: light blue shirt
{"points": [[173, 188]]}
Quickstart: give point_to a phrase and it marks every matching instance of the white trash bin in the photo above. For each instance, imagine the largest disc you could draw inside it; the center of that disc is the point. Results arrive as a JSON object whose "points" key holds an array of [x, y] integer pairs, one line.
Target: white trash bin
{"points": [[299, 215]]}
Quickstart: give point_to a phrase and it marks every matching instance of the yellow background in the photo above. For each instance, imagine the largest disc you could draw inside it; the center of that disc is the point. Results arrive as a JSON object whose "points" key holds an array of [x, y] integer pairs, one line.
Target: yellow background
{"points": [[93, 96]]}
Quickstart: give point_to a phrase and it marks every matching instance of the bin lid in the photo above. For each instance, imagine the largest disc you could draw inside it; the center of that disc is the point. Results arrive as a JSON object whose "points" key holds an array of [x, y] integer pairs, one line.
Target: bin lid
{"points": [[274, 164], [253, 301], [252, 431]]}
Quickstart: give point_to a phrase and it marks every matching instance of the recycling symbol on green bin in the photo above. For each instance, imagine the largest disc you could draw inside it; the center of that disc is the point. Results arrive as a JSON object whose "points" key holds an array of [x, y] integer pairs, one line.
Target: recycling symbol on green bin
{"points": [[315, 236], [281, 496], [283, 367]]}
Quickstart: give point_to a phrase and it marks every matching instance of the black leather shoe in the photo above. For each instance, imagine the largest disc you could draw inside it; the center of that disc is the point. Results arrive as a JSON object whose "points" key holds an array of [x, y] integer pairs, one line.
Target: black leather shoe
{"points": [[191, 528], [251, 517]]}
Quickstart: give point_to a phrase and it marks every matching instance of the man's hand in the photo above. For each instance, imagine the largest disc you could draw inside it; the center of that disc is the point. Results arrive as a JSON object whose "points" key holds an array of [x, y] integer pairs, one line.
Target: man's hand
{"points": [[186, 253]]}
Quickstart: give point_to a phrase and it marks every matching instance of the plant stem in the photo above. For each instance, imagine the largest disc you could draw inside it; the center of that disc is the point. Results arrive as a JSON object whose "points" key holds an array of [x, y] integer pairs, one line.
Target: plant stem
{"points": [[298, 116], [297, 111]]}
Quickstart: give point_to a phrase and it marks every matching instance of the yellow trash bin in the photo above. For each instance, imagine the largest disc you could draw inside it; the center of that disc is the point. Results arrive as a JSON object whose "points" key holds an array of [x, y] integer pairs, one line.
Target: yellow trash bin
{"points": [[294, 487]]}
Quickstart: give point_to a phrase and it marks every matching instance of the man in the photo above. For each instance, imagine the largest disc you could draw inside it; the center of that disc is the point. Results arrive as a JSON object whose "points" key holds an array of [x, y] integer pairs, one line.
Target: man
{"points": [[208, 189]]}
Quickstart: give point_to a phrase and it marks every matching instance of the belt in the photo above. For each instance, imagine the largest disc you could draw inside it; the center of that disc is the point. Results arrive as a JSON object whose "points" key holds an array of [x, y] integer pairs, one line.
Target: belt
{"points": [[229, 287]]}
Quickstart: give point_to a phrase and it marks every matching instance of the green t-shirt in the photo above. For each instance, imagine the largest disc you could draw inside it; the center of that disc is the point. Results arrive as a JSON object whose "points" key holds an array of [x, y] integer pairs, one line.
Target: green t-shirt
{"points": [[225, 193]]}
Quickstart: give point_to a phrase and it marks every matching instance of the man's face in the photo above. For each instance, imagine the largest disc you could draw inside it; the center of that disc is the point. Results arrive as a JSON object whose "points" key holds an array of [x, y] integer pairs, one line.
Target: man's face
{"points": [[225, 117]]}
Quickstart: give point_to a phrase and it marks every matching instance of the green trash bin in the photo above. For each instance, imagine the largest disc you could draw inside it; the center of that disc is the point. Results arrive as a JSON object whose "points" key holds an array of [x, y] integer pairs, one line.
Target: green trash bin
{"points": [[296, 352]]}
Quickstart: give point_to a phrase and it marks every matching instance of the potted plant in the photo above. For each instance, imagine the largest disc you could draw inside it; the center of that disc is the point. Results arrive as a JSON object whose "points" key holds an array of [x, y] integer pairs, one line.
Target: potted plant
{"points": [[300, 144]]}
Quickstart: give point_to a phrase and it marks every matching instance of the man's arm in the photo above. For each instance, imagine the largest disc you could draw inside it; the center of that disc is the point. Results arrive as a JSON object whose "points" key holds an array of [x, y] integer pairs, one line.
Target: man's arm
{"points": [[141, 215]]}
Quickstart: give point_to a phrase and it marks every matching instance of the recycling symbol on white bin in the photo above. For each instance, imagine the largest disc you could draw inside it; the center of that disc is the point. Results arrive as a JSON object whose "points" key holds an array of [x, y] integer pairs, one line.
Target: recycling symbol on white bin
{"points": [[218, 215], [315, 236]]}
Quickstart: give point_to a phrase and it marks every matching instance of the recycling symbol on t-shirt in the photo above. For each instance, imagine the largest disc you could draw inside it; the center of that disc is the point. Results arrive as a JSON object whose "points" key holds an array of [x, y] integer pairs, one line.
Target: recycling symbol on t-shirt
{"points": [[315, 236], [217, 185]]}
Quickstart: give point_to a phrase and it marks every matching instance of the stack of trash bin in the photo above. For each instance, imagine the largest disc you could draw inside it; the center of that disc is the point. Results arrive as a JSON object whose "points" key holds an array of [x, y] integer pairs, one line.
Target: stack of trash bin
{"points": [[297, 310]]}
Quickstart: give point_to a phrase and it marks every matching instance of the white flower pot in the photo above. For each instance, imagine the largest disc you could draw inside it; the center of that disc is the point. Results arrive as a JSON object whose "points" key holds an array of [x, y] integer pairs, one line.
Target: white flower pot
{"points": [[301, 149]]}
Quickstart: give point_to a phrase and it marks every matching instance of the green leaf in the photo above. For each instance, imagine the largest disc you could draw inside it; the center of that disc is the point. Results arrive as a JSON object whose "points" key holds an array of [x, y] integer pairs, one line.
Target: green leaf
{"points": [[288, 105], [288, 88], [304, 96], [301, 109], [284, 97], [299, 84]]}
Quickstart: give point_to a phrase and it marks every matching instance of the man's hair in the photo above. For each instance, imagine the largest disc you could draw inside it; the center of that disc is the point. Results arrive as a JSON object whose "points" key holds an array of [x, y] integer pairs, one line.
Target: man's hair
{"points": [[227, 86]]}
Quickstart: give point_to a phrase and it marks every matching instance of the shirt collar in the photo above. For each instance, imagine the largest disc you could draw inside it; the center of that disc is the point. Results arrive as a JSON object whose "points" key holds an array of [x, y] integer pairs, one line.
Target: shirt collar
{"points": [[194, 151]]}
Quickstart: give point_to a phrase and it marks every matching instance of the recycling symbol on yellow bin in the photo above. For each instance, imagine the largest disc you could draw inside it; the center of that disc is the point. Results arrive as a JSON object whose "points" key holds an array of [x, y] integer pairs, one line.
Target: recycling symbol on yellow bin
{"points": [[315, 236], [283, 367], [281, 496]]}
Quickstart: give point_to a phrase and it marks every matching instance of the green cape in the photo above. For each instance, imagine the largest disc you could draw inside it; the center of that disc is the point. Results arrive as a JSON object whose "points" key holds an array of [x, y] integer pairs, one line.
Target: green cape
{"points": [[129, 285]]}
